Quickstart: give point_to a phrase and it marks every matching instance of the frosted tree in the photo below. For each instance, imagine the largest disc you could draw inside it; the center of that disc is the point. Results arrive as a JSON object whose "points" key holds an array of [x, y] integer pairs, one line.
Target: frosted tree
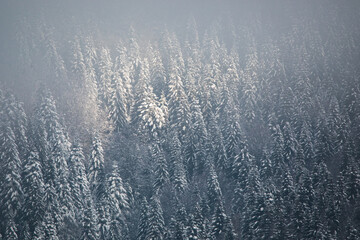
{"points": [[89, 222], [211, 71], [290, 143], [179, 108], [50, 228], [179, 223], [105, 67], [214, 192], [122, 68], [156, 225], [118, 204], [218, 147], [59, 176], [92, 113], [197, 142], [33, 186], [178, 174], [144, 219], [350, 174], [157, 71], [49, 135], [253, 205], [161, 169], [11, 192], [11, 230], [250, 81], [196, 225], [117, 191], [80, 188], [117, 104], [55, 70], [192, 38], [277, 155], [147, 115], [221, 226], [96, 174], [78, 66], [13, 112], [133, 53]]}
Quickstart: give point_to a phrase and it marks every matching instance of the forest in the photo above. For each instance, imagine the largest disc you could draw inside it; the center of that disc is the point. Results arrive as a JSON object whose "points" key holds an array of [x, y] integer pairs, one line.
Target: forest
{"points": [[233, 121]]}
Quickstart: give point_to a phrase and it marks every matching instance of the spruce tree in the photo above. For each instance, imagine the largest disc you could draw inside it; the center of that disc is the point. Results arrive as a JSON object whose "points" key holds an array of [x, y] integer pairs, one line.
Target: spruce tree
{"points": [[156, 225], [33, 186], [11, 192]]}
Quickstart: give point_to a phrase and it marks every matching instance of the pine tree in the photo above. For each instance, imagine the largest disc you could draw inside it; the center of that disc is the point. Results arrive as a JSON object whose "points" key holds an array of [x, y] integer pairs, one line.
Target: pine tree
{"points": [[197, 145], [60, 174], [89, 222], [118, 205], [116, 189], [143, 227], [178, 174], [80, 188], [11, 192], [249, 91], [221, 226], [11, 230], [290, 143], [161, 170], [122, 69], [179, 224], [96, 173], [218, 146], [33, 186], [13, 112], [147, 114], [350, 174], [105, 76], [133, 53], [156, 225], [117, 104], [215, 195], [179, 108], [50, 229]]}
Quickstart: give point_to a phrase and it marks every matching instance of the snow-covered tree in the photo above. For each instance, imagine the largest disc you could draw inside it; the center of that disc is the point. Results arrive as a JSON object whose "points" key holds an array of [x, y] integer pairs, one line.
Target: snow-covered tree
{"points": [[11, 192], [96, 174], [33, 186]]}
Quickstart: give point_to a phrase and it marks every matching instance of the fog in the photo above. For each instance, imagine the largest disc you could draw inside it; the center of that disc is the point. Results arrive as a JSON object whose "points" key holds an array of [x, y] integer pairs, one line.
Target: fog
{"points": [[193, 119], [110, 20]]}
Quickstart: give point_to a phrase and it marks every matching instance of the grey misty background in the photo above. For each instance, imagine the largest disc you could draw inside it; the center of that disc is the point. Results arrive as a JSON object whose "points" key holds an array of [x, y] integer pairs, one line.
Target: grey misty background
{"points": [[180, 119]]}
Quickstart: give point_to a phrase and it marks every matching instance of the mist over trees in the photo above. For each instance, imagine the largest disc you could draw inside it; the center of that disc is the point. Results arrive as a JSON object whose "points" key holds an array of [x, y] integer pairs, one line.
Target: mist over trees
{"points": [[168, 120]]}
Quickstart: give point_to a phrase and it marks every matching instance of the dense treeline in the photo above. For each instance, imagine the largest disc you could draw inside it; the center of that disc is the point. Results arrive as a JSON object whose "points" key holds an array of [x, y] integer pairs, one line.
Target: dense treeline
{"points": [[234, 132]]}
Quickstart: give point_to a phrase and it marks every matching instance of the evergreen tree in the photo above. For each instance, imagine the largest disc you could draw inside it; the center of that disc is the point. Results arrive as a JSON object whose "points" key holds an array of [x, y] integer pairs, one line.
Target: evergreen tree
{"points": [[215, 195], [89, 222], [221, 226], [50, 230], [11, 192], [96, 172], [179, 108], [179, 224], [80, 188], [11, 230], [156, 225], [33, 186], [117, 104], [13, 112], [143, 227], [196, 225], [178, 174], [161, 170], [147, 115], [105, 76]]}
